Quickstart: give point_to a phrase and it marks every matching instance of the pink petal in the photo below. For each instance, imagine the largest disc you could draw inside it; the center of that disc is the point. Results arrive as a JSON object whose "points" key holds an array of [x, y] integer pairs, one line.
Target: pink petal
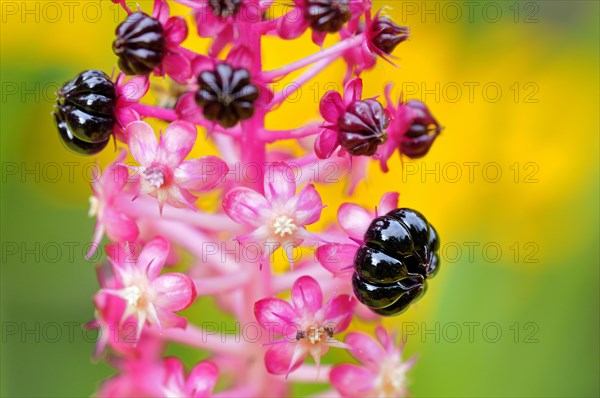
{"points": [[113, 180], [292, 24], [326, 143], [153, 256], [277, 316], [279, 183], [332, 106], [352, 380], [209, 25], [339, 312], [176, 30], [318, 37], [143, 144], [175, 372], [179, 197], [240, 56], [187, 109], [201, 174], [133, 89], [174, 291], [365, 349], [118, 253], [246, 206], [354, 220], [160, 11], [388, 202], [307, 204], [337, 258], [279, 358], [202, 380], [177, 66], [169, 320], [353, 90], [384, 338], [307, 295], [118, 226], [176, 143]]}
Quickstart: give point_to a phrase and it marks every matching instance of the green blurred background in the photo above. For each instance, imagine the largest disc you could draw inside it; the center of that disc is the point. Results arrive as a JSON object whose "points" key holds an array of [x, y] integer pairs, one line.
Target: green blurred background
{"points": [[532, 275]]}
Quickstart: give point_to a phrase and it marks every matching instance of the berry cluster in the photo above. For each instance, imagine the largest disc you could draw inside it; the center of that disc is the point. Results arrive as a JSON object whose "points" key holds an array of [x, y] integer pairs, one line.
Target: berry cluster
{"points": [[364, 267]]}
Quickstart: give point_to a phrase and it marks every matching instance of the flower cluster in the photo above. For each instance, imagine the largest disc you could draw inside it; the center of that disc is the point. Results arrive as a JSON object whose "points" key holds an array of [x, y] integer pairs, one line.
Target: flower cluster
{"points": [[167, 253]]}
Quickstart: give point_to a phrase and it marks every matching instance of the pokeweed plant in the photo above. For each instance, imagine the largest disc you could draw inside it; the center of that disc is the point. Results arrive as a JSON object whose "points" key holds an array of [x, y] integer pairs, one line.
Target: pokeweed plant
{"points": [[373, 263]]}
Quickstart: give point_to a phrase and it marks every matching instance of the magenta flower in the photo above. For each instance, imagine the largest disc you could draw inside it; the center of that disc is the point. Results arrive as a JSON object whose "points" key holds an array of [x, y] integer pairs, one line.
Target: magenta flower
{"points": [[110, 220], [338, 258], [322, 17], [149, 296], [382, 374], [306, 326], [163, 172], [199, 384], [128, 95], [412, 130], [277, 218], [357, 125]]}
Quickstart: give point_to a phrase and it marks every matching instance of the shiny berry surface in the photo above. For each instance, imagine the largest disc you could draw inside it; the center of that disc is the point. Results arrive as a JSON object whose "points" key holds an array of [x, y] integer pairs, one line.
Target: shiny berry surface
{"points": [[84, 112], [327, 15], [226, 95], [387, 34], [225, 8], [422, 132], [391, 268], [362, 127], [140, 44]]}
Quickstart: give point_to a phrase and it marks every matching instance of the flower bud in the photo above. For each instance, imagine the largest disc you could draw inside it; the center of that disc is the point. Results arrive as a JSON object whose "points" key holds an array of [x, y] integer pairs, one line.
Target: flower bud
{"points": [[386, 34], [140, 44], [362, 127], [226, 95], [423, 131], [225, 8], [84, 112]]}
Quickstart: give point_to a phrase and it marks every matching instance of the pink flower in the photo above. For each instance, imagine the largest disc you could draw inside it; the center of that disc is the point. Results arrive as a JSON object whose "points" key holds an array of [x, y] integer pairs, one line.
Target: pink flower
{"points": [[199, 384], [147, 295], [163, 171], [412, 130], [220, 19], [128, 95], [117, 225], [382, 374], [306, 326], [322, 17], [355, 124], [277, 218]]}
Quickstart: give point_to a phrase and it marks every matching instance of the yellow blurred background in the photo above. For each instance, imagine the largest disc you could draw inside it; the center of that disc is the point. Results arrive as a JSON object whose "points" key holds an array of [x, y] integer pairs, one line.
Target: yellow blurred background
{"points": [[511, 185]]}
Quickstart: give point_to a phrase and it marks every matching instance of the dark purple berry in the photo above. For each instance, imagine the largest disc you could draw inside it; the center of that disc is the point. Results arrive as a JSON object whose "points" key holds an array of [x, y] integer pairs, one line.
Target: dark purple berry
{"points": [[327, 15], [391, 268], [386, 34], [362, 127], [84, 112], [226, 95], [225, 8], [422, 132], [140, 44]]}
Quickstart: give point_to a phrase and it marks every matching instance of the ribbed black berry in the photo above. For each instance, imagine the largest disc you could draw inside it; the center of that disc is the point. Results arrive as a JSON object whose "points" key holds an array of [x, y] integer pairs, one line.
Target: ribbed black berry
{"points": [[84, 112], [327, 15], [225, 8], [391, 268], [387, 34], [362, 127], [140, 44], [226, 95], [422, 132]]}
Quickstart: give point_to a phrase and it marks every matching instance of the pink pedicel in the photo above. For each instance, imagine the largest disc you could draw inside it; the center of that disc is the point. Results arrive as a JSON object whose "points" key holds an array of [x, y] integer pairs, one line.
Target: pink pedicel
{"points": [[246, 230]]}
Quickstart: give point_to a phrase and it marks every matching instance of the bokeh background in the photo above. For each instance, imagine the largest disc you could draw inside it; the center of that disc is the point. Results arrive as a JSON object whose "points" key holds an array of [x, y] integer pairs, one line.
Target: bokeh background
{"points": [[530, 286]]}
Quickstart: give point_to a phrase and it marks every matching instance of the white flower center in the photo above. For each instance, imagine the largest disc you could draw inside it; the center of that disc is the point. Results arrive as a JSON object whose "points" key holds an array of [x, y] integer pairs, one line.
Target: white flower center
{"points": [[94, 206], [315, 334], [132, 294], [154, 176], [391, 381], [284, 225]]}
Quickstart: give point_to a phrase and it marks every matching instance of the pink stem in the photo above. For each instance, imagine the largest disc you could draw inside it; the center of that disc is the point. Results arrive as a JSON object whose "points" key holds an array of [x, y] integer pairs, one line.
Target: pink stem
{"points": [[328, 54], [221, 284], [293, 134], [310, 374], [207, 340], [314, 70], [168, 115]]}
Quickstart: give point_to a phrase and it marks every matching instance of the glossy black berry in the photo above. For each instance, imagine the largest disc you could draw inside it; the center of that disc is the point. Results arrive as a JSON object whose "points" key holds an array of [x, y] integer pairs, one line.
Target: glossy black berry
{"points": [[362, 127], [387, 34], [391, 268], [84, 112], [327, 15], [140, 44], [225, 8], [422, 132], [226, 95]]}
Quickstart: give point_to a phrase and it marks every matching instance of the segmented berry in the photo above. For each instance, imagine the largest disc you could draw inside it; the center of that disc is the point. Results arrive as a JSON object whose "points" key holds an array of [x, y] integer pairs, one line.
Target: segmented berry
{"points": [[362, 127], [225, 8], [327, 15], [422, 132], [387, 34]]}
